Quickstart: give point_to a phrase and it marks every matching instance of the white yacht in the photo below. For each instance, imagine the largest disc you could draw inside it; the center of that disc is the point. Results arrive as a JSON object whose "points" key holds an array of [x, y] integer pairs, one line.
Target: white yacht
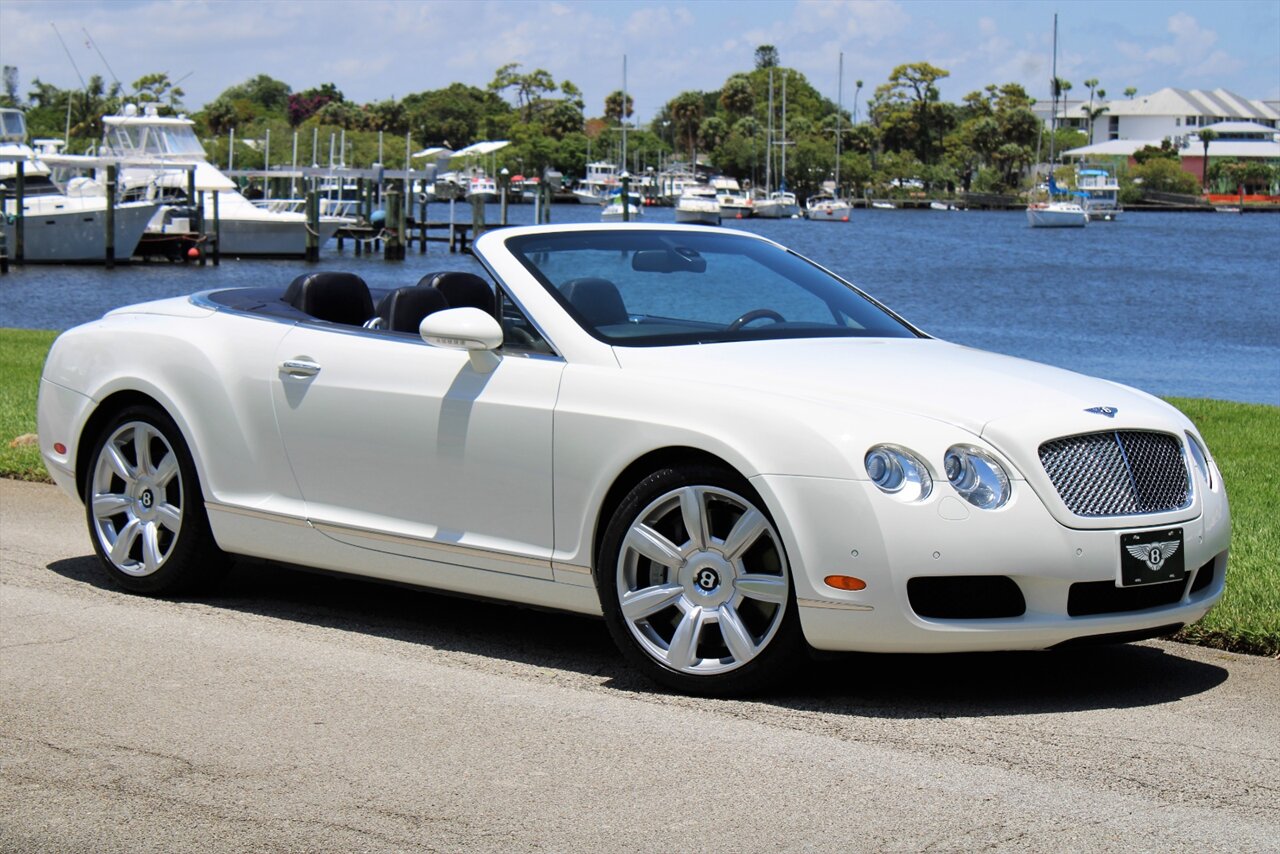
{"points": [[483, 187], [60, 225], [149, 145], [826, 207], [777, 205], [599, 185], [613, 211], [734, 203], [1102, 203], [698, 204]]}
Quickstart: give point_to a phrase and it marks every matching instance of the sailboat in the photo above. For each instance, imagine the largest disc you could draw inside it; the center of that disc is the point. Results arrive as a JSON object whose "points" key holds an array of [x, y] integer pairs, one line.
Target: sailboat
{"points": [[1051, 213], [778, 204], [829, 206], [617, 206]]}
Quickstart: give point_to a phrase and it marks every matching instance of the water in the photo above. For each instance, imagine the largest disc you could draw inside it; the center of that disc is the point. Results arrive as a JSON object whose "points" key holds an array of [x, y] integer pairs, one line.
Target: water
{"points": [[1176, 304]]}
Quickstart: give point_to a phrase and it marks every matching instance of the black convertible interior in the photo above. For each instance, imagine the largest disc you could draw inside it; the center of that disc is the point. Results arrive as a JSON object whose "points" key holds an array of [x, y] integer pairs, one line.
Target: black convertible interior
{"points": [[344, 299]]}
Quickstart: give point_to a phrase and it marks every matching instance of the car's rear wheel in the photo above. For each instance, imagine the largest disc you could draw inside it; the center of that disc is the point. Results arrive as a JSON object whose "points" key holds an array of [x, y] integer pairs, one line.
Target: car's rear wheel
{"points": [[694, 583], [144, 508]]}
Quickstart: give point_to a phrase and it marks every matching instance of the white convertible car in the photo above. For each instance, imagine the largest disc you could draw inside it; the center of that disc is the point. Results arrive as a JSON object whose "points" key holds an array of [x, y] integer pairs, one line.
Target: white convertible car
{"points": [[728, 451]]}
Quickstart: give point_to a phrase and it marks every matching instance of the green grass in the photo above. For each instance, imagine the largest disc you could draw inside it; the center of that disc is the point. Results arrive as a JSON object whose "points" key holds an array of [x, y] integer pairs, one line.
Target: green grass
{"points": [[1243, 438], [22, 353]]}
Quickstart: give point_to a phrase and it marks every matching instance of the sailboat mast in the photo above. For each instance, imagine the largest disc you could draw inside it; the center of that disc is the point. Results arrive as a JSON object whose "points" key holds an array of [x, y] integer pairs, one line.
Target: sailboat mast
{"points": [[768, 147], [839, 107], [782, 179], [624, 111], [1053, 92]]}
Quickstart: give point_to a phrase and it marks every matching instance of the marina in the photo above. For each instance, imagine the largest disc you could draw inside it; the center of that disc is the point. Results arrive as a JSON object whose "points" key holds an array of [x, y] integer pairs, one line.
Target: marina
{"points": [[1195, 295]]}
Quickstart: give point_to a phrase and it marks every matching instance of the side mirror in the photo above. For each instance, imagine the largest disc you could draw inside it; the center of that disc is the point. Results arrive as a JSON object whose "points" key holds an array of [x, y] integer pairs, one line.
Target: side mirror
{"points": [[467, 329]]}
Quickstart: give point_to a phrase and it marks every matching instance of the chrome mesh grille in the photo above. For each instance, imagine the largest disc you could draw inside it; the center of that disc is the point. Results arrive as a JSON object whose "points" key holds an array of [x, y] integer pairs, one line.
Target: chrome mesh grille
{"points": [[1121, 473]]}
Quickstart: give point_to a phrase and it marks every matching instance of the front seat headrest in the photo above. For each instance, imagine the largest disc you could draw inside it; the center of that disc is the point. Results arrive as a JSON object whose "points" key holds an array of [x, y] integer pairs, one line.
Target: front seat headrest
{"points": [[332, 296]]}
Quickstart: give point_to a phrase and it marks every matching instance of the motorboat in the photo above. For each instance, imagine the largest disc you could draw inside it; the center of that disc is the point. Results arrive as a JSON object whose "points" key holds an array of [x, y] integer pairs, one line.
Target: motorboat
{"points": [[155, 153], [613, 211], [698, 204], [884, 206], [779, 204], [1102, 202], [826, 207], [734, 203], [600, 183], [60, 224], [483, 187]]}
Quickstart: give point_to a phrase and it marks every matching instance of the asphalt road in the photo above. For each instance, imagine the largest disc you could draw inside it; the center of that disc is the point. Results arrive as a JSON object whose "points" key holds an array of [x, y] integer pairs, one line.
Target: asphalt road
{"points": [[298, 712]]}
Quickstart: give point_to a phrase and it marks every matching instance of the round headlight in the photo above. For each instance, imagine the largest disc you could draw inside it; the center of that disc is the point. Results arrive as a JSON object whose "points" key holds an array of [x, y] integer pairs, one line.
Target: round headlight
{"points": [[1200, 455], [976, 475], [898, 472]]}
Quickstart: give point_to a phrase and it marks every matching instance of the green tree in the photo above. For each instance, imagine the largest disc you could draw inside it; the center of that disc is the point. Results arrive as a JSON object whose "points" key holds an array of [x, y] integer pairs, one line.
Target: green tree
{"points": [[10, 86], [1206, 136], [736, 98], [1162, 175], [613, 106], [263, 90], [766, 56], [1129, 92], [686, 113], [909, 113], [159, 90], [529, 88]]}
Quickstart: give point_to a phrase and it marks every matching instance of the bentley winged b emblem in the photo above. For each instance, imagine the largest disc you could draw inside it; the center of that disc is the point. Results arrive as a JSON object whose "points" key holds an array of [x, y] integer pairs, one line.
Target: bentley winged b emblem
{"points": [[1109, 411], [1154, 554]]}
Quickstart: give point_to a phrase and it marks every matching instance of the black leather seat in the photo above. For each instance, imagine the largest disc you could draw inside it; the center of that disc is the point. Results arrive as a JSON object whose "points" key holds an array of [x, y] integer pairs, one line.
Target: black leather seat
{"points": [[462, 290], [331, 296], [403, 309], [597, 300]]}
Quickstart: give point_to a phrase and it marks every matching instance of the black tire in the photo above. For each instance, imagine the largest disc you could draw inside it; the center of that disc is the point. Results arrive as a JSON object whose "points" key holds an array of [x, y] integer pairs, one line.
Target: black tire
{"points": [[148, 522], [683, 583]]}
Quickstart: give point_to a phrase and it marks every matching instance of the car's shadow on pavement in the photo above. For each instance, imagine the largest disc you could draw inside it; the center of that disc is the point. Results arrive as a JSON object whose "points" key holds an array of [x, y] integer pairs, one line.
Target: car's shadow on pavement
{"points": [[886, 686]]}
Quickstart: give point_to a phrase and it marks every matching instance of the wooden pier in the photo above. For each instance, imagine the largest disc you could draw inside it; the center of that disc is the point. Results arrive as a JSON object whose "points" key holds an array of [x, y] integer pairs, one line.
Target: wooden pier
{"points": [[371, 238]]}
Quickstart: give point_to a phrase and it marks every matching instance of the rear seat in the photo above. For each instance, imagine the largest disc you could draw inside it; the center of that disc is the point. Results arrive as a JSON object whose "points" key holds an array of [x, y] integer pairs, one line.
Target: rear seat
{"points": [[332, 296]]}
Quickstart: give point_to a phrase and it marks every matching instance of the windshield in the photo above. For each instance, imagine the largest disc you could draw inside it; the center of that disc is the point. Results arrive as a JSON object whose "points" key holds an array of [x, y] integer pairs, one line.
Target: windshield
{"points": [[654, 288], [154, 139]]}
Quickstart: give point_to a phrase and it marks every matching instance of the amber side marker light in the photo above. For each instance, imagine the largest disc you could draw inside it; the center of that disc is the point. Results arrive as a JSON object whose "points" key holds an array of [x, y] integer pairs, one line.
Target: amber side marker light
{"points": [[59, 448], [845, 582]]}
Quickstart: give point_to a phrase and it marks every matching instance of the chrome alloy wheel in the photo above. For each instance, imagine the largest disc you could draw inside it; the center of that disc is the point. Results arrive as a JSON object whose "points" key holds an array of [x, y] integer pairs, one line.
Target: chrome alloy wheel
{"points": [[702, 580], [136, 498]]}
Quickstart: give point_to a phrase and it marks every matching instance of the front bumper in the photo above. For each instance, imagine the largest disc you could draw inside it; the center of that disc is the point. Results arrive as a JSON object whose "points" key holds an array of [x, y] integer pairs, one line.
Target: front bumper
{"points": [[842, 527]]}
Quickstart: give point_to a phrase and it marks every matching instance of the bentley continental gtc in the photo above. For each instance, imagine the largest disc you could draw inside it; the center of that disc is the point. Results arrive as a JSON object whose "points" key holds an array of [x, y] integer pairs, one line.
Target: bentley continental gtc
{"points": [[730, 453]]}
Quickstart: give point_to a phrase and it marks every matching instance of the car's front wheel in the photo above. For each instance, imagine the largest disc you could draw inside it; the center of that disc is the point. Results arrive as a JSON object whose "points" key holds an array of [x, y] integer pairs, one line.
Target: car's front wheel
{"points": [[144, 509], [694, 583]]}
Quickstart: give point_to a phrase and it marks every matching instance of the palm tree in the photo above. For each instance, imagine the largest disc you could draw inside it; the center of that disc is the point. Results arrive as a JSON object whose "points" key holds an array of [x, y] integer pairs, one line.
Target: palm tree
{"points": [[1206, 136], [1129, 92], [1091, 84]]}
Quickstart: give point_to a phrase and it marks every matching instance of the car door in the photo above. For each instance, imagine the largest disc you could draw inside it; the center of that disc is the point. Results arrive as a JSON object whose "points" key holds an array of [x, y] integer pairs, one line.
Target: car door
{"points": [[405, 448]]}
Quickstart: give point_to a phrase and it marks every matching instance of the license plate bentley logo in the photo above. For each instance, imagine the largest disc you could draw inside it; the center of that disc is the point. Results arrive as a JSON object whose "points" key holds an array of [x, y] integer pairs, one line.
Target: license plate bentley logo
{"points": [[1109, 411], [1151, 557]]}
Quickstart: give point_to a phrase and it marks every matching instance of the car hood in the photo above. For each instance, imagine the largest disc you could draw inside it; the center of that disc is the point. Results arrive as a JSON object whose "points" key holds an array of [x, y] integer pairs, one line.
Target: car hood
{"points": [[969, 388]]}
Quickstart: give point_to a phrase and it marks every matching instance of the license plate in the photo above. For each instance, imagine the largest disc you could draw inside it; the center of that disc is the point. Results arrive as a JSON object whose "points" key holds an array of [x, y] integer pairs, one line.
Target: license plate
{"points": [[1151, 557]]}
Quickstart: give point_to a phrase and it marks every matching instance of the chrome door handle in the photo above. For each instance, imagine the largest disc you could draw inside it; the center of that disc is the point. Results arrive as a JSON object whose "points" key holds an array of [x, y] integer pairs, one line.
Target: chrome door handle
{"points": [[299, 368]]}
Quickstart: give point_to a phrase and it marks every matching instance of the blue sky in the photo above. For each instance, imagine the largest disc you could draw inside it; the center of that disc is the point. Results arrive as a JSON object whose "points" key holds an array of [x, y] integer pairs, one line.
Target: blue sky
{"points": [[375, 49]]}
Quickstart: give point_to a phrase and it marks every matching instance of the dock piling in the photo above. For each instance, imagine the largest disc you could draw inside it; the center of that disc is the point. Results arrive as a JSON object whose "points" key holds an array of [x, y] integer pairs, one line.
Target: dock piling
{"points": [[313, 225], [394, 250], [19, 224], [110, 218], [217, 229]]}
